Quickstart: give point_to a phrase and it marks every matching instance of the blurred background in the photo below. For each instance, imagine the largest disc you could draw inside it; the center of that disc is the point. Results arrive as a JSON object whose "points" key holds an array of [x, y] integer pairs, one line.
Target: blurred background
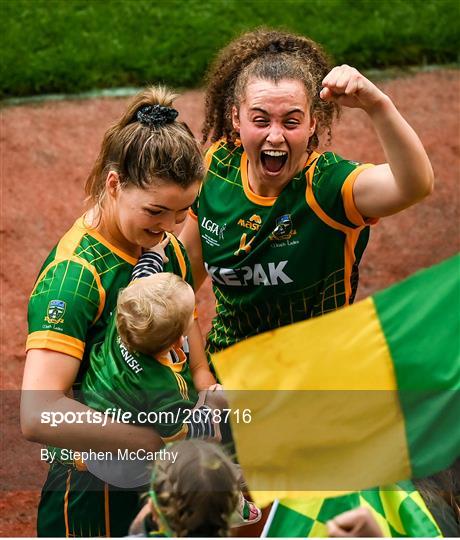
{"points": [[54, 46], [85, 51]]}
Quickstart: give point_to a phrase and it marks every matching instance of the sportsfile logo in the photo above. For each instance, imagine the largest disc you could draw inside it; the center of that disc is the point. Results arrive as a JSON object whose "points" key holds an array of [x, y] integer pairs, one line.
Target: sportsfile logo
{"points": [[213, 227], [254, 222]]}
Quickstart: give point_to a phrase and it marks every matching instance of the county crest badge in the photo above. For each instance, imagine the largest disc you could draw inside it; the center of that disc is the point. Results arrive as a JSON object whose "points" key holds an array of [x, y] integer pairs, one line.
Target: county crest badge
{"points": [[284, 229], [55, 312]]}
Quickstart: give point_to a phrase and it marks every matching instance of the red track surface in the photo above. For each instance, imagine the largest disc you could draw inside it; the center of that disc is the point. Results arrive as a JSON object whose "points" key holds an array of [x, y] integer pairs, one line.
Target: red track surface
{"points": [[47, 152]]}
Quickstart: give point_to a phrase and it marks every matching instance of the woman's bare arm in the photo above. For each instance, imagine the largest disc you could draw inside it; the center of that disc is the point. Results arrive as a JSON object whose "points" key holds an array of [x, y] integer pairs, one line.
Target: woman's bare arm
{"points": [[407, 177], [190, 237], [201, 374], [48, 377]]}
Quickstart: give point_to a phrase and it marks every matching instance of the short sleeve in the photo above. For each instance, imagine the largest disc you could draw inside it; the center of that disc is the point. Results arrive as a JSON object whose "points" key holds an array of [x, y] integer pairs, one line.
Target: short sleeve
{"points": [[209, 165], [332, 185], [67, 299], [179, 262]]}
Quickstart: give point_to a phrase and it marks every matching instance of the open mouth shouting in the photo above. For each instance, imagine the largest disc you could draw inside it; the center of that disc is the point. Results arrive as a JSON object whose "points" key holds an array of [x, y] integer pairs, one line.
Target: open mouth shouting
{"points": [[273, 160]]}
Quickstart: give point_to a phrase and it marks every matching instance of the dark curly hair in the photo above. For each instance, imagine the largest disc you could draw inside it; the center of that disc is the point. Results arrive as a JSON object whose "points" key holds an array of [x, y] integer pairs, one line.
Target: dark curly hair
{"points": [[269, 55]]}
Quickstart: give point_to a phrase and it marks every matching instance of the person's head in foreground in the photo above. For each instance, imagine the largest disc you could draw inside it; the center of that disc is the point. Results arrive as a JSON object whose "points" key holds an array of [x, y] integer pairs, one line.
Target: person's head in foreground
{"points": [[197, 494], [153, 313]]}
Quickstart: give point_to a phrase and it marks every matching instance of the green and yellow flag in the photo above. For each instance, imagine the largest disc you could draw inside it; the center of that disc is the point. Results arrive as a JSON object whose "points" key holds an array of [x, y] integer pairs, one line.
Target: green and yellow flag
{"points": [[399, 511], [365, 396]]}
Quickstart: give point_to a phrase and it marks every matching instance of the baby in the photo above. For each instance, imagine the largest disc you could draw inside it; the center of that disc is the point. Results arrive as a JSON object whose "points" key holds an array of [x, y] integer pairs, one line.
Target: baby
{"points": [[142, 368]]}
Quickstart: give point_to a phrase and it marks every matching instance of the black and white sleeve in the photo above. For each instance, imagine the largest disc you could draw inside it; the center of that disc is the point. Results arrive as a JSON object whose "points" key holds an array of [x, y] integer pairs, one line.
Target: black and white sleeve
{"points": [[149, 263], [200, 425]]}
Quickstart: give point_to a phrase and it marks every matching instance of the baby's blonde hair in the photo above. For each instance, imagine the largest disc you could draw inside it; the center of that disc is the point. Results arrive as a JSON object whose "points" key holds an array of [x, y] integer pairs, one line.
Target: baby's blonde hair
{"points": [[154, 312]]}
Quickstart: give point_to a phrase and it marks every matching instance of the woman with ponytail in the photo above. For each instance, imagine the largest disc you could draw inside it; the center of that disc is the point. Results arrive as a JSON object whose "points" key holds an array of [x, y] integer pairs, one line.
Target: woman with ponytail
{"points": [[145, 179]]}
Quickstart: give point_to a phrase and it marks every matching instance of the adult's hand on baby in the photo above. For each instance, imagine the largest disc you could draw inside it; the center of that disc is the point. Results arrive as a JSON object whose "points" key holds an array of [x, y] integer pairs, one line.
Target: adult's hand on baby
{"points": [[346, 86]]}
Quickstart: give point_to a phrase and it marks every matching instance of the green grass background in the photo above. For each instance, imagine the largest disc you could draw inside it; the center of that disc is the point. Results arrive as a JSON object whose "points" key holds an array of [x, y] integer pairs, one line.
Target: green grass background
{"points": [[50, 46]]}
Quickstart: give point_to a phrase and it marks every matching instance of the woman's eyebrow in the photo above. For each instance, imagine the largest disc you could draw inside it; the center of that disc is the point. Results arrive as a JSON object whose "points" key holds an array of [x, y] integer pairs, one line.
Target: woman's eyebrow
{"points": [[292, 111], [258, 109], [166, 207]]}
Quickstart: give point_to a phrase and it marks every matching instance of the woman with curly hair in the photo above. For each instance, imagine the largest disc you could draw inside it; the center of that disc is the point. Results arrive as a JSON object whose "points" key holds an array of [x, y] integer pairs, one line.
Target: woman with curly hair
{"points": [[279, 226]]}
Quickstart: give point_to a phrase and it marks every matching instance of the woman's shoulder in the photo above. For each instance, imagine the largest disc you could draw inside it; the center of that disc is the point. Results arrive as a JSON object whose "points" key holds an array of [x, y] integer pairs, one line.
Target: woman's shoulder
{"points": [[223, 154], [84, 247], [331, 163], [178, 259]]}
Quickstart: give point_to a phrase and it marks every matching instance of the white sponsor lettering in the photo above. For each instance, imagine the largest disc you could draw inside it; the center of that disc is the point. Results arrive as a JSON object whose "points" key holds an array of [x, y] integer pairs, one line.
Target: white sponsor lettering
{"points": [[229, 277], [212, 227], [129, 358], [259, 274]]}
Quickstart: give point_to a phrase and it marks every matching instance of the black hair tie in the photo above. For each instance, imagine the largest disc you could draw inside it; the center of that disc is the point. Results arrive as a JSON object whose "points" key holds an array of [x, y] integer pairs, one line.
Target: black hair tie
{"points": [[156, 115], [275, 47]]}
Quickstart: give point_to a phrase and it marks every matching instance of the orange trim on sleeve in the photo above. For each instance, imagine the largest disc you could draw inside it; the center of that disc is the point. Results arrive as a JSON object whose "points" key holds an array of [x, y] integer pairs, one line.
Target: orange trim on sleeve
{"points": [[179, 255], [49, 339], [69, 242], [351, 211], [314, 205], [80, 465], [181, 434], [100, 288], [351, 234]]}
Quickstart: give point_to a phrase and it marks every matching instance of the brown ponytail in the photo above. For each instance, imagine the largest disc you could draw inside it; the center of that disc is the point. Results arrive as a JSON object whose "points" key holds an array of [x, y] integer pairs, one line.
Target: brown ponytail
{"points": [[140, 153]]}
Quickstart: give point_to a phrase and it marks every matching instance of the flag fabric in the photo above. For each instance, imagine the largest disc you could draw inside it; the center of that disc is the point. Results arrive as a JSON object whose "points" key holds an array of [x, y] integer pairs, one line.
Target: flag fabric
{"points": [[399, 510], [366, 396]]}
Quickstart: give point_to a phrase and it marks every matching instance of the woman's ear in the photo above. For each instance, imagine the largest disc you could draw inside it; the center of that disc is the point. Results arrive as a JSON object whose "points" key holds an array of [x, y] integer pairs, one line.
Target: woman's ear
{"points": [[112, 183], [312, 126], [235, 119]]}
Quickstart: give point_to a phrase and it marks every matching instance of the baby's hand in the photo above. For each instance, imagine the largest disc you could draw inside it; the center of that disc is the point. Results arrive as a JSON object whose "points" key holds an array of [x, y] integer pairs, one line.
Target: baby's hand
{"points": [[346, 86], [160, 249], [215, 397], [216, 388]]}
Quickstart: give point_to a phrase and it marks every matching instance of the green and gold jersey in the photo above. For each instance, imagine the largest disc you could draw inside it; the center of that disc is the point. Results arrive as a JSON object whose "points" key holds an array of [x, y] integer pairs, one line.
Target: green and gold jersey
{"points": [[77, 289], [156, 392], [278, 260]]}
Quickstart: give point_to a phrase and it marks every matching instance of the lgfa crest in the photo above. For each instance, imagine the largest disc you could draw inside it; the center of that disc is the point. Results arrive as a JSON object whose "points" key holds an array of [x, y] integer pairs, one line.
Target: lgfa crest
{"points": [[56, 310]]}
